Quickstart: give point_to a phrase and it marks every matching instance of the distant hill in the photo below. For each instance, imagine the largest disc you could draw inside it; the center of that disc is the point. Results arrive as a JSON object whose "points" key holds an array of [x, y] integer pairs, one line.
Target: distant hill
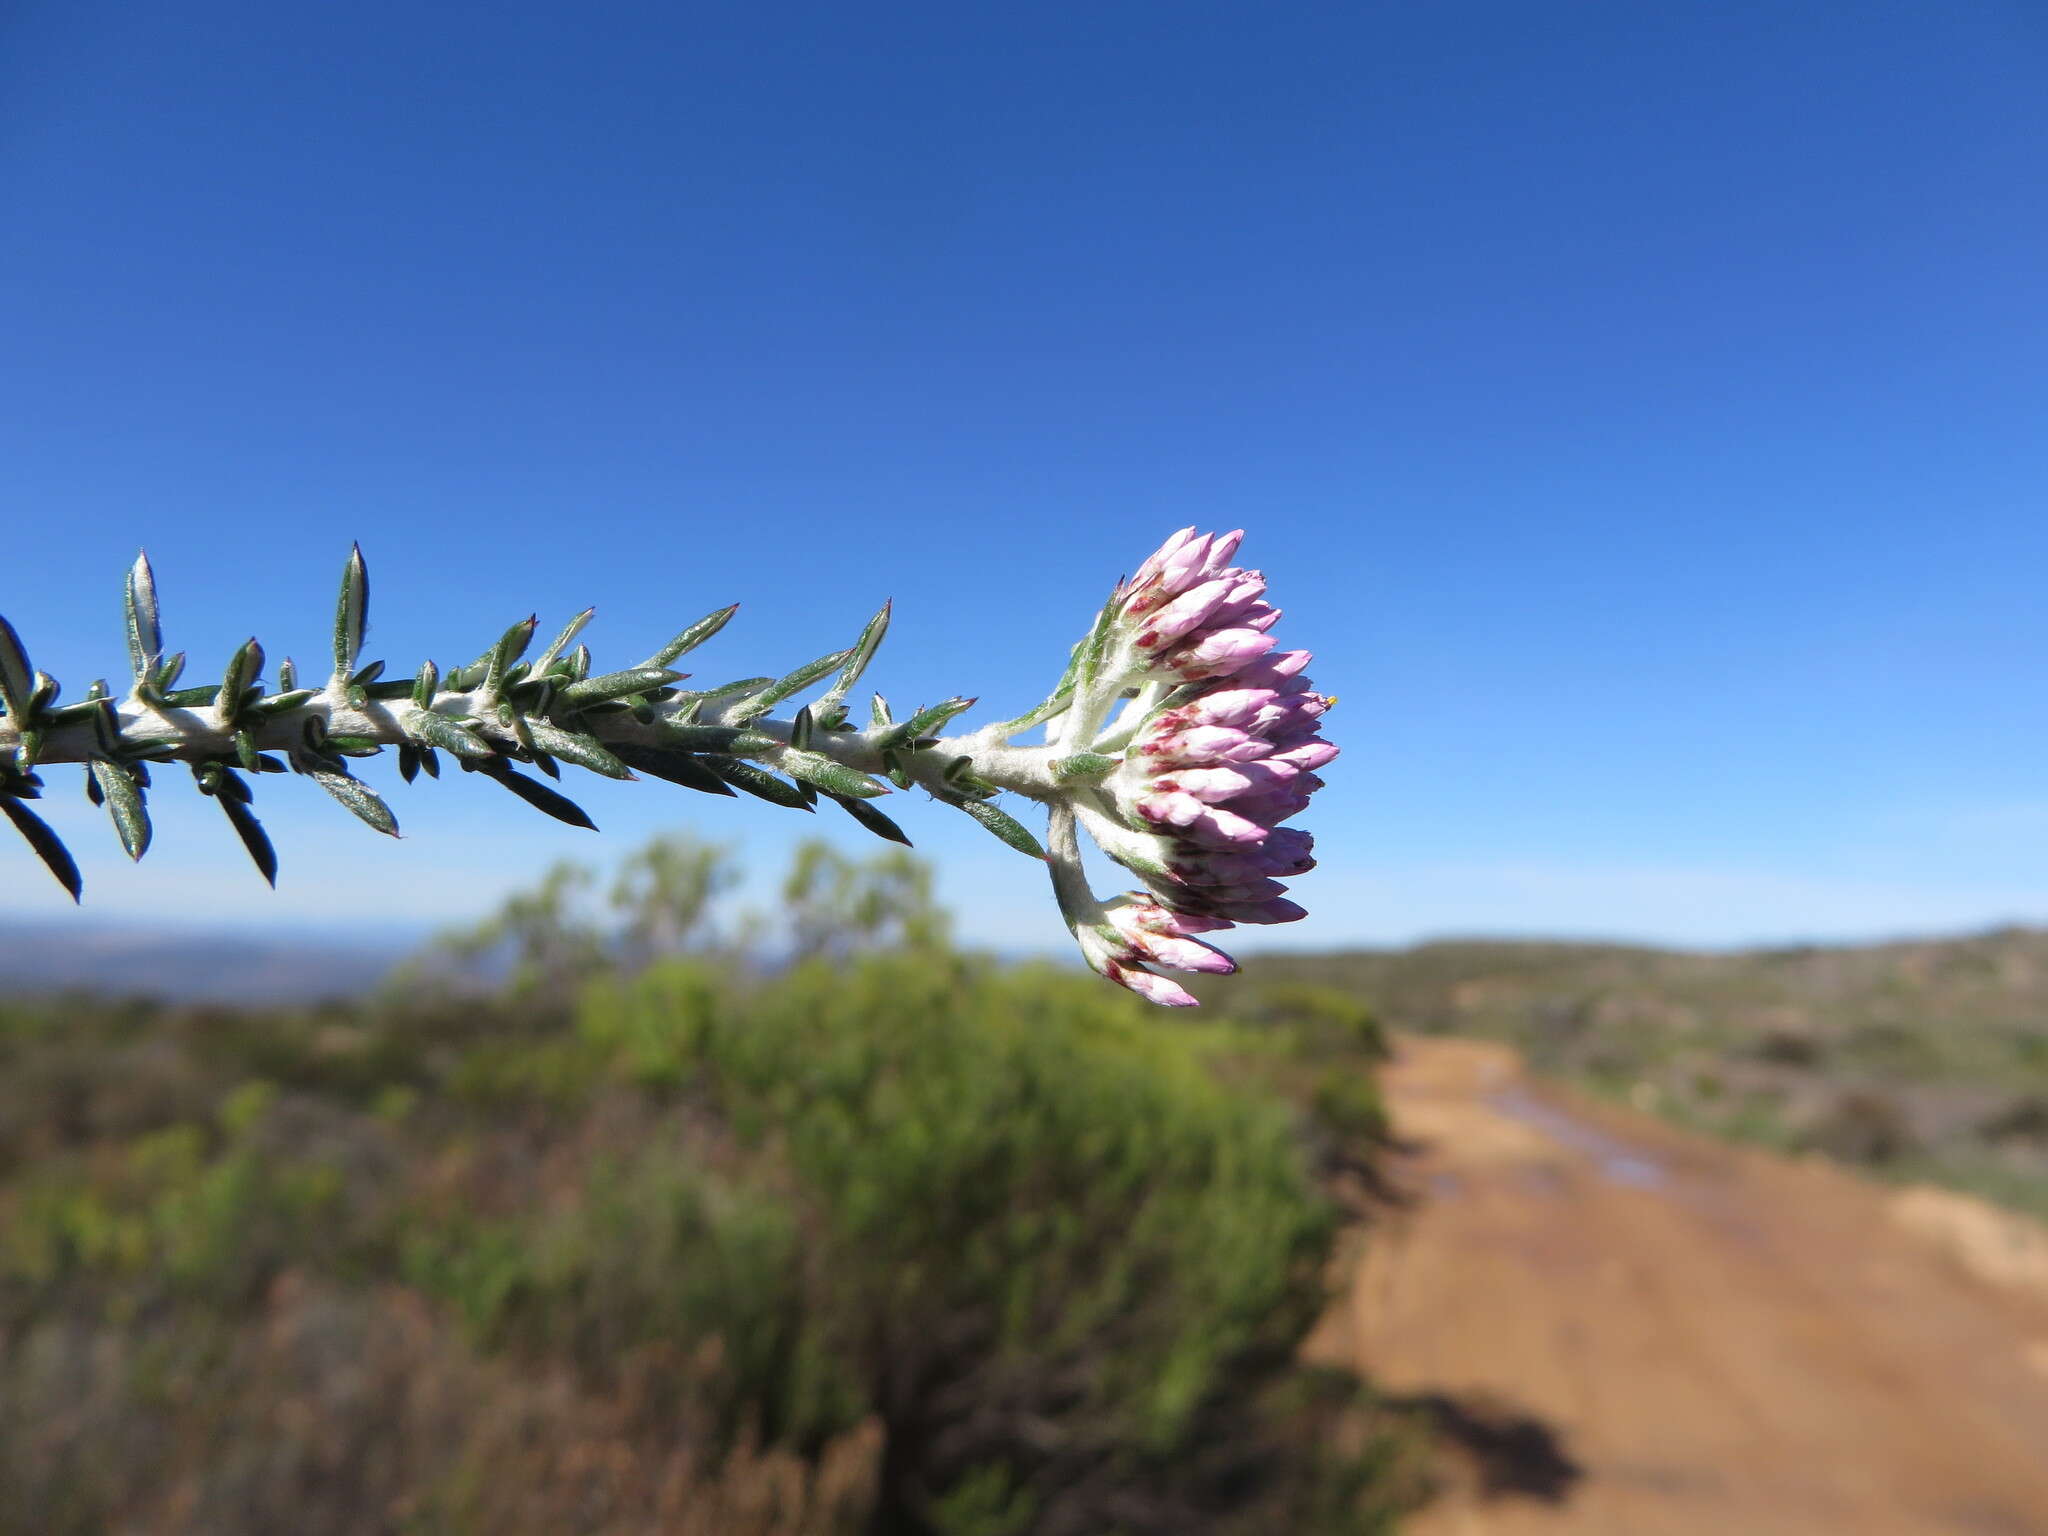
{"points": [[1922, 1058], [187, 965]]}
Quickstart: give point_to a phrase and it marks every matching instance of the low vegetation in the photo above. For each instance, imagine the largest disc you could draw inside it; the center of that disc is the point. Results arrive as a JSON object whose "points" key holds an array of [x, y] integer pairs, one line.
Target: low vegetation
{"points": [[1917, 1061], [606, 1226]]}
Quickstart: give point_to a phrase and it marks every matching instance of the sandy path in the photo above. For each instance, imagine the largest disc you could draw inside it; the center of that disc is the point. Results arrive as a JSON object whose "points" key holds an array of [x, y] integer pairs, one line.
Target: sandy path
{"points": [[1649, 1334]]}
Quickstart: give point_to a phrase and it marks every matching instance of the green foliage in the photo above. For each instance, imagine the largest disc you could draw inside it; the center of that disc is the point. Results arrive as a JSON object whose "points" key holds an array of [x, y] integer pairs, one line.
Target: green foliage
{"points": [[1028, 1257], [1907, 1059]]}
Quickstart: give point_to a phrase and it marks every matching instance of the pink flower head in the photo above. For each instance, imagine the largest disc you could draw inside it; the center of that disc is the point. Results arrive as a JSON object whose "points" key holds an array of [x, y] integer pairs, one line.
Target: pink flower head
{"points": [[1195, 806]]}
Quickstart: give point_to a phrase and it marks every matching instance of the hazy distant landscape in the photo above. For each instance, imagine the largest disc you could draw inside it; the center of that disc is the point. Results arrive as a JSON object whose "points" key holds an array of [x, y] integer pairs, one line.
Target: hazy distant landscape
{"points": [[1917, 1059]]}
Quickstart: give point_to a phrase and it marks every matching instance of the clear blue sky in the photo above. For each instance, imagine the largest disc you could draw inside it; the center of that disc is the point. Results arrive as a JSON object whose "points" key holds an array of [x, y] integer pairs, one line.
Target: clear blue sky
{"points": [[1639, 408]]}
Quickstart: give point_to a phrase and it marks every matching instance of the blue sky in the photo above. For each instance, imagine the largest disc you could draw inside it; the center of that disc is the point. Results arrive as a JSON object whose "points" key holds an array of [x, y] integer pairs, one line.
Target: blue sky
{"points": [[1638, 408]]}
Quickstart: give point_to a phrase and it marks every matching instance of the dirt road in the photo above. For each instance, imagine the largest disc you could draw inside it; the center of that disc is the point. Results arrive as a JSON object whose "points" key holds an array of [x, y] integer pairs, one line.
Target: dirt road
{"points": [[1637, 1332]]}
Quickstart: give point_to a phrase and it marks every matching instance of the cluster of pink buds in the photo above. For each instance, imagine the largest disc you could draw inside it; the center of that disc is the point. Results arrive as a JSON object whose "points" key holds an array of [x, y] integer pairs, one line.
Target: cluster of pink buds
{"points": [[1217, 746]]}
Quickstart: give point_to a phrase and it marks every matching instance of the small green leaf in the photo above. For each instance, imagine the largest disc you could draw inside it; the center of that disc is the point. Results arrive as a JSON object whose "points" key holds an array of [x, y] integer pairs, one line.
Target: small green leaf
{"points": [[426, 685], [837, 778], [857, 661], [692, 637], [253, 837], [728, 739], [351, 613], [357, 797], [536, 794], [675, 768], [1088, 767], [801, 729], [287, 675], [758, 782], [616, 685], [168, 673], [367, 675], [241, 672], [560, 643], [1004, 825], [145, 630], [17, 677], [280, 703], [246, 753], [48, 846], [879, 718], [124, 803], [408, 761], [510, 647], [924, 722], [433, 730], [575, 747], [790, 682], [870, 818]]}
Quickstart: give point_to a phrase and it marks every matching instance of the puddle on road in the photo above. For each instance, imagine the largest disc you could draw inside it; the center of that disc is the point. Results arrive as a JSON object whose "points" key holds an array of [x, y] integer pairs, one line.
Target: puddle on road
{"points": [[1615, 1159]]}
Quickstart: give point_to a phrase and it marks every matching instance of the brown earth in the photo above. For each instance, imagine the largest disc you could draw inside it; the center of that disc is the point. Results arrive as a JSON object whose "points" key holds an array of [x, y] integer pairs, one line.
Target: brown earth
{"points": [[1627, 1330]]}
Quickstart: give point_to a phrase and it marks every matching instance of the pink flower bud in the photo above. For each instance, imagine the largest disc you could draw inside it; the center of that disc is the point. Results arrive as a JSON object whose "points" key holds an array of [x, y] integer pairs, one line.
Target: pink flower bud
{"points": [[1203, 744], [1211, 786], [1217, 652], [1278, 910], [1309, 755], [1185, 613], [1231, 706], [1209, 825], [1152, 987], [1272, 670]]}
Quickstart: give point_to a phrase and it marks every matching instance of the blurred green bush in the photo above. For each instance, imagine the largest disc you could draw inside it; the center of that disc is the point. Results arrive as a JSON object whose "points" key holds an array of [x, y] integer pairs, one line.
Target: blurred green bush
{"points": [[882, 1238]]}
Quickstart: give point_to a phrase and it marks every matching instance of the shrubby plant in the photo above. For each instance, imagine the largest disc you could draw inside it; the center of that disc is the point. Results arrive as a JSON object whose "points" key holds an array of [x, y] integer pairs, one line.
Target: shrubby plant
{"points": [[1179, 738], [893, 1239]]}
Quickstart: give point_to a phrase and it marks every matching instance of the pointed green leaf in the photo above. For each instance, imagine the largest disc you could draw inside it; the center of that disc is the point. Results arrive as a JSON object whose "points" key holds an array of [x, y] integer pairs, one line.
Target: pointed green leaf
{"points": [[253, 837], [510, 647], [536, 794], [767, 698], [758, 782], [17, 677], [675, 768], [145, 629], [560, 643], [814, 768], [727, 739], [48, 846], [692, 637], [426, 685], [241, 671], [870, 818], [616, 685], [857, 660], [575, 747], [423, 725], [923, 723], [879, 718], [124, 803], [357, 797], [802, 728], [351, 613], [1088, 767], [280, 703], [1004, 825]]}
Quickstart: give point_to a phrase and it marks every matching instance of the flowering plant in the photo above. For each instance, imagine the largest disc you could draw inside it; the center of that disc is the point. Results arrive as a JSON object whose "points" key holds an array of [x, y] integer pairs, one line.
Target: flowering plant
{"points": [[1178, 738]]}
